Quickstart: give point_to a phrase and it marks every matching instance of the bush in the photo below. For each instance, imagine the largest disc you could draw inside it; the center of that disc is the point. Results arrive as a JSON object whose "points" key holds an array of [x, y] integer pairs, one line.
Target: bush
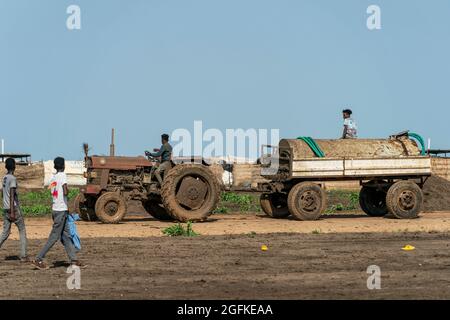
{"points": [[178, 230]]}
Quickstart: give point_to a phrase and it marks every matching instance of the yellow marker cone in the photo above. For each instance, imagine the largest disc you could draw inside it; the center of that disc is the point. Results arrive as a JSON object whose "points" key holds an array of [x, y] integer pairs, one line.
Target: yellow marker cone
{"points": [[264, 248], [408, 248]]}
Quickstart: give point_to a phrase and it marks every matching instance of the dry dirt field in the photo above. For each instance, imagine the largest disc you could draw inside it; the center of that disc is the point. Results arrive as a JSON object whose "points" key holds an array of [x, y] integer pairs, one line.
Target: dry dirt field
{"points": [[242, 224], [304, 260]]}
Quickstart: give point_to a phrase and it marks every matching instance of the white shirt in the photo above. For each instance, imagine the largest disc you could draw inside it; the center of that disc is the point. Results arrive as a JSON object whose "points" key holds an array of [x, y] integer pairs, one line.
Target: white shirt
{"points": [[351, 128], [56, 188]]}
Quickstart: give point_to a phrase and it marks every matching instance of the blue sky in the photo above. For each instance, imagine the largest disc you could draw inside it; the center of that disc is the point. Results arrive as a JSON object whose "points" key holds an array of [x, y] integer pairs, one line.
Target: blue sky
{"points": [[146, 67]]}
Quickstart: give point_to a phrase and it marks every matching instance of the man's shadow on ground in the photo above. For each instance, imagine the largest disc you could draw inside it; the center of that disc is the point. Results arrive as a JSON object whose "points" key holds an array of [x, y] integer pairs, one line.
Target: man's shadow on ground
{"points": [[12, 258], [56, 264]]}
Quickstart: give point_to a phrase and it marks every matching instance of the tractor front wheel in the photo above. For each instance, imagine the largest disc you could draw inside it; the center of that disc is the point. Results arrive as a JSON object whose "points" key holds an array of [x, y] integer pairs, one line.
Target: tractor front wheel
{"points": [[111, 207]]}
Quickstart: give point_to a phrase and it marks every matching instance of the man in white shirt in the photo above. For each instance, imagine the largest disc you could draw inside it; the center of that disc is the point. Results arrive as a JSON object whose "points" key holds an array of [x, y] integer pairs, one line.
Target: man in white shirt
{"points": [[350, 128], [60, 229]]}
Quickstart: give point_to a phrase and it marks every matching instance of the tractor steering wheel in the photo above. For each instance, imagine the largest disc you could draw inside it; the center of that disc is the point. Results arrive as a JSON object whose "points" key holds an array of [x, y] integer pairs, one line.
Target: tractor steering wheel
{"points": [[150, 157]]}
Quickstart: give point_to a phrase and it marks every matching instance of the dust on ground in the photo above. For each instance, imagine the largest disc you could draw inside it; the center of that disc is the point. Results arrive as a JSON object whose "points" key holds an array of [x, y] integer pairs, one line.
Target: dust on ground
{"points": [[295, 266]]}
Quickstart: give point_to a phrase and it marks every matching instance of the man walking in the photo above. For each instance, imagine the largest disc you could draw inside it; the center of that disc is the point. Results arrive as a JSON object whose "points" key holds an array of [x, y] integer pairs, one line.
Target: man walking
{"points": [[60, 228], [11, 209]]}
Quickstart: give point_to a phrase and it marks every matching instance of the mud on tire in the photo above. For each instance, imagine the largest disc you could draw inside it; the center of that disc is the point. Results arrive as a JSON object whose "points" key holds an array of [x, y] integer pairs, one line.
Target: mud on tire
{"points": [[404, 200], [85, 207], [111, 207], [274, 204], [190, 192], [306, 201]]}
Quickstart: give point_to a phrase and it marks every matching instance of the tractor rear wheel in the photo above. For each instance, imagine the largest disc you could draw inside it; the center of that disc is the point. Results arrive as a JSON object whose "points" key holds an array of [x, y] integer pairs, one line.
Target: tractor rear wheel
{"points": [[156, 210], [111, 207], [190, 192], [373, 201], [306, 201], [274, 204], [85, 207], [404, 200]]}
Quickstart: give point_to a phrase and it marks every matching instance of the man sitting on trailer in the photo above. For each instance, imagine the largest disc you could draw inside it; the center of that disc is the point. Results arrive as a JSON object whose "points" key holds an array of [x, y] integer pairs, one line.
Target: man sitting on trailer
{"points": [[349, 125]]}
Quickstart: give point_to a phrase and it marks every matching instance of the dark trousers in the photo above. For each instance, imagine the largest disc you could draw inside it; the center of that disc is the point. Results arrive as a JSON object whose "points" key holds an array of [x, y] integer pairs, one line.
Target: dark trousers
{"points": [[20, 223], [60, 231]]}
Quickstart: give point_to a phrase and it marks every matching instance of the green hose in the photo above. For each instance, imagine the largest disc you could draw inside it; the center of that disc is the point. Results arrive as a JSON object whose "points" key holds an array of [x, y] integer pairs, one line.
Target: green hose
{"points": [[421, 141], [313, 145]]}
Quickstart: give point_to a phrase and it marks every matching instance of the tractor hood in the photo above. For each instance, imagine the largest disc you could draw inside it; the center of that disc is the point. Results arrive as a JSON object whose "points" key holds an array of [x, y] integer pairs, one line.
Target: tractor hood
{"points": [[117, 163]]}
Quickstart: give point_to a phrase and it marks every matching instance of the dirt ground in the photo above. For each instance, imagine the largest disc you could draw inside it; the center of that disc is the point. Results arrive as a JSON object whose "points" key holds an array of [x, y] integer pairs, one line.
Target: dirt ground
{"points": [[295, 266], [304, 260], [436, 193], [245, 223]]}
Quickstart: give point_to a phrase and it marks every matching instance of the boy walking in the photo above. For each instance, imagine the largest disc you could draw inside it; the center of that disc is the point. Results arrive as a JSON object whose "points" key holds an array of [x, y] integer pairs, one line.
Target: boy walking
{"points": [[11, 209], [60, 228]]}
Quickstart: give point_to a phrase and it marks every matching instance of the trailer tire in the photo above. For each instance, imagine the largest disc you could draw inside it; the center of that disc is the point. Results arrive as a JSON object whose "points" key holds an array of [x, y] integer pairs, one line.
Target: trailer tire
{"points": [[111, 207], [373, 201], [404, 200], [274, 205], [306, 201], [156, 210], [200, 196], [85, 207]]}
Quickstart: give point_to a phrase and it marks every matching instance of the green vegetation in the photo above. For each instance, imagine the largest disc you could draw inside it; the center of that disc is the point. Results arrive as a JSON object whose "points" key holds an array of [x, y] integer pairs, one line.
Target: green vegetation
{"points": [[231, 201], [221, 209], [316, 231], [36, 210], [342, 200], [39, 203], [178, 230]]}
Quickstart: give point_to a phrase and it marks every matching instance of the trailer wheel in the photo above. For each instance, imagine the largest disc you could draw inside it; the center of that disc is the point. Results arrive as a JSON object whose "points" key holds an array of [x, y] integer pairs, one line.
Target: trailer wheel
{"points": [[373, 201], [190, 192], [85, 207], [404, 200], [110, 207], [156, 210], [306, 201], [274, 204]]}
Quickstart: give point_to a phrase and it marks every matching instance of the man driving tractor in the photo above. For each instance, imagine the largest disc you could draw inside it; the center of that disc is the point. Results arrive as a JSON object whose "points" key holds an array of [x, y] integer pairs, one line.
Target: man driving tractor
{"points": [[165, 152]]}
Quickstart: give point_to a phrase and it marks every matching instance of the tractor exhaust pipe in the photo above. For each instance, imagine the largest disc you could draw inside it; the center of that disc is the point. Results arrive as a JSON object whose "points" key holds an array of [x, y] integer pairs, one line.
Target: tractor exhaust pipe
{"points": [[112, 147]]}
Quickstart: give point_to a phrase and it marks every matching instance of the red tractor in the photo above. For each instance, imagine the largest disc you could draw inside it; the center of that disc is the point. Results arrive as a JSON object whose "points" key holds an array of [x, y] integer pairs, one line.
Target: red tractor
{"points": [[190, 191]]}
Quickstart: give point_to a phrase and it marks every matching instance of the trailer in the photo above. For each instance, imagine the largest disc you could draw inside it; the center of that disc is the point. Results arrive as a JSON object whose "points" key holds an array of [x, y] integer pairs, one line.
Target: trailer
{"points": [[391, 173]]}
